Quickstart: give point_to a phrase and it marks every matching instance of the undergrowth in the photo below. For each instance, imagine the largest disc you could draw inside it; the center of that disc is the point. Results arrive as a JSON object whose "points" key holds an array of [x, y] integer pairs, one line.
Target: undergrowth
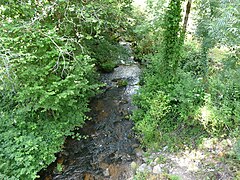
{"points": [[189, 90]]}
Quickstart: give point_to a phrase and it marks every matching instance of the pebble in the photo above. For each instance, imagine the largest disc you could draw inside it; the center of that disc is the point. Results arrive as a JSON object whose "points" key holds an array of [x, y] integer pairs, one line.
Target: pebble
{"points": [[157, 159], [165, 148], [139, 152], [145, 159], [149, 168], [157, 169], [106, 172], [142, 168], [134, 165], [153, 163]]}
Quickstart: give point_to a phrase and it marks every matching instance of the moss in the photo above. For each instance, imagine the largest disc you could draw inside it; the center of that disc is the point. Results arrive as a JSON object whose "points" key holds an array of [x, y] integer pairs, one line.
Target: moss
{"points": [[122, 83], [107, 66]]}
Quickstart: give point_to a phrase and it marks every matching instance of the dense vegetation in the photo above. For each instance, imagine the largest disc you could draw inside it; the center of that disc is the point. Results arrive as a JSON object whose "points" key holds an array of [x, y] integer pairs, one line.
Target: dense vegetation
{"points": [[47, 55], [190, 85], [51, 52]]}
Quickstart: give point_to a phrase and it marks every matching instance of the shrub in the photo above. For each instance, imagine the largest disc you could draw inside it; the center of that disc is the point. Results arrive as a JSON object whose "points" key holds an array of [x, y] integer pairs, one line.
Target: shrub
{"points": [[191, 60], [45, 91], [48, 75], [163, 108], [223, 102], [46, 99], [106, 53]]}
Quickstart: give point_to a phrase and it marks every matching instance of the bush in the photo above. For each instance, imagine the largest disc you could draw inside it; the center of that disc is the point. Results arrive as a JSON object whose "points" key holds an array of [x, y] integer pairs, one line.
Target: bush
{"points": [[223, 103], [47, 98], [48, 75], [106, 53], [27, 147], [191, 60], [163, 108], [152, 111]]}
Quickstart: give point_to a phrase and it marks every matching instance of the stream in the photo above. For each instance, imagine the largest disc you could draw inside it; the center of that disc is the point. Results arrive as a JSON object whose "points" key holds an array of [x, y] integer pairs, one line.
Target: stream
{"points": [[110, 144]]}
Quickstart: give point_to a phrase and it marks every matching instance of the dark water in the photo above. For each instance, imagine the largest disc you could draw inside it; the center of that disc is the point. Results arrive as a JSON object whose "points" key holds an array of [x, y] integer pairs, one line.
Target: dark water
{"points": [[110, 145]]}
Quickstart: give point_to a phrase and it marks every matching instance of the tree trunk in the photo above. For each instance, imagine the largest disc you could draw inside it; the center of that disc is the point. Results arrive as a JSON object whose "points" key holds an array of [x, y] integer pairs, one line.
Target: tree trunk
{"points": [[188, 8]]}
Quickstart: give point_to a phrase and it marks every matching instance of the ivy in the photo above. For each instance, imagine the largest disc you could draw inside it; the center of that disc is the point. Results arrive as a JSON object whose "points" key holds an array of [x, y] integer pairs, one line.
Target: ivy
{"points": [[171, 41], [163, 91]]}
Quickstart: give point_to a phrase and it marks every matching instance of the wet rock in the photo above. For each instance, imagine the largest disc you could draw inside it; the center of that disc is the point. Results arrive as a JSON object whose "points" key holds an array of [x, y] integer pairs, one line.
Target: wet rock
{"points": [[48, 178], [124, 101], [135, 145], [64, 153], [157, 169], [103, 165]]}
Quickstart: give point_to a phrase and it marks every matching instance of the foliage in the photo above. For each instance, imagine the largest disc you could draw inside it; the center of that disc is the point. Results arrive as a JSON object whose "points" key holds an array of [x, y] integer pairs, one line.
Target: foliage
{"points": [[48, 75], [148, 29], [107, 53], [187, 92], [184, 109], [169, 108], [150, 112], [223, 101], [217, 22], [222, 89], [29, 146], [165, 88], [190, 61], [171, 48], [207, 11], [224, 28]]}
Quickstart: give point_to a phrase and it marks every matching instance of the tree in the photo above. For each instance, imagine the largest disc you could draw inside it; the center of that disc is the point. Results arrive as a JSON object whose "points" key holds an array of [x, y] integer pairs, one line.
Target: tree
{"points": [[171, 41], [225, 26], [188, 9], [207, 11]]}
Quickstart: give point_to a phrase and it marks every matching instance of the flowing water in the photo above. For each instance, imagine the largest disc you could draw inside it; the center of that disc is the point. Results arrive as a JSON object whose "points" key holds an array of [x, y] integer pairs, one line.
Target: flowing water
{"points": [[110, 146]]}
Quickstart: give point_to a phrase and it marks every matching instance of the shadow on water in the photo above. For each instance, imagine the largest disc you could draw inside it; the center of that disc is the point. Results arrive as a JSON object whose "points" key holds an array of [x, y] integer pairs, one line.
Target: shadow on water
{"points": [[110, 146]]}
